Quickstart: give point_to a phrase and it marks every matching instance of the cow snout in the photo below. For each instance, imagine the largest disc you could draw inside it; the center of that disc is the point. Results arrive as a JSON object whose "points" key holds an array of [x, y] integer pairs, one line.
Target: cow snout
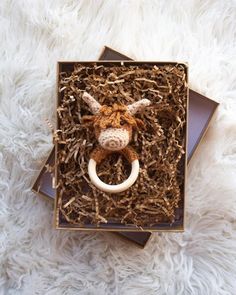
{"points": [[114, 139]]}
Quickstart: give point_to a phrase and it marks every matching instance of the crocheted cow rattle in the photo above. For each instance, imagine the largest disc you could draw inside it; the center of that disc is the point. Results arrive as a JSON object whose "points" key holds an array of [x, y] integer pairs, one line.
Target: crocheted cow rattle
{"points": [[113, 126]]}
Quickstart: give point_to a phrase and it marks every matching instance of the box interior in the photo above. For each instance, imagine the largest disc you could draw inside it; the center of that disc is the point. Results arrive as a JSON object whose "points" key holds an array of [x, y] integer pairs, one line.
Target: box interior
{"points": [[177, 224]]}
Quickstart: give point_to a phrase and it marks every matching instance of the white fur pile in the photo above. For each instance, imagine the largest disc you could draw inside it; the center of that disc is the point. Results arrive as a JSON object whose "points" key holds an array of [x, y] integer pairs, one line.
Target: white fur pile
{"points": [[35, 258]]}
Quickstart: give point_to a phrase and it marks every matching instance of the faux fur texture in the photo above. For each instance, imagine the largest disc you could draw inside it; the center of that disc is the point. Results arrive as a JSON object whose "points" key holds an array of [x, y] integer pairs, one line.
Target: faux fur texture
{"points": [[35, 258]]}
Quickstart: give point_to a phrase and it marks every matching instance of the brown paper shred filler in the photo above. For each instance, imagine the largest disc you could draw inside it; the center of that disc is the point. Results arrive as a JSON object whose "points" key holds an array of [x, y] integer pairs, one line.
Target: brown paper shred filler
{"points": [[158, 191]]}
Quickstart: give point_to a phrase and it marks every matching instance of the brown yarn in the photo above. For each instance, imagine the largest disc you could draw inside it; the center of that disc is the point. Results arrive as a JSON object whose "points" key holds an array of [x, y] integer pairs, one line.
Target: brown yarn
{"points": [[129, 153], [99, 154], [115, 116]]}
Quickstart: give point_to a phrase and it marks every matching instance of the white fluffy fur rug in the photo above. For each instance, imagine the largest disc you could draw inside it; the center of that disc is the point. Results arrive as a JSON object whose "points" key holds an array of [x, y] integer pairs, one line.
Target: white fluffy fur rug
{"points": [[35, 258]]}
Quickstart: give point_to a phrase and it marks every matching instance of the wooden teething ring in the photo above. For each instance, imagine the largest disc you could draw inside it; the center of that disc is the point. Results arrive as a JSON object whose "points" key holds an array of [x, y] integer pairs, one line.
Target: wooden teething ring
{"points": [[113, 188], [99, 154]]}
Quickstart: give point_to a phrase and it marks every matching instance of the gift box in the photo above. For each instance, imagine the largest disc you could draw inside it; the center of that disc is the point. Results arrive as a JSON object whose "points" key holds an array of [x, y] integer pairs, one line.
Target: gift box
{"points": [[136, 115], [201, 110]]}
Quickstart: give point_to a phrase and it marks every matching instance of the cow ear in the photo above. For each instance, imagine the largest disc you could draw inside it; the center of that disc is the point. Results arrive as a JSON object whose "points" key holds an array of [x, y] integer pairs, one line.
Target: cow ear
{"points": [[138, 106], [94, 105]]}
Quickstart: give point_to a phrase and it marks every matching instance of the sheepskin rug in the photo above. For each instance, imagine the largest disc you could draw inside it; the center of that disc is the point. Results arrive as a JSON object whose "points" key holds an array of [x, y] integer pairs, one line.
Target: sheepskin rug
{"points": [[37, 259]]}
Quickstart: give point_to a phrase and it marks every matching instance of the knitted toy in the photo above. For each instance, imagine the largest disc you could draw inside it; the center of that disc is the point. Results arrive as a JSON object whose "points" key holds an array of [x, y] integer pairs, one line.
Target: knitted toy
{"points": [[113, 126]]}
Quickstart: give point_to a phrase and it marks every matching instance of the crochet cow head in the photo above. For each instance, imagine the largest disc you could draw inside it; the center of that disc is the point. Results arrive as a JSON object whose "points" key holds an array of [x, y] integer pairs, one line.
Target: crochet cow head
{"points": [[113, 125]]}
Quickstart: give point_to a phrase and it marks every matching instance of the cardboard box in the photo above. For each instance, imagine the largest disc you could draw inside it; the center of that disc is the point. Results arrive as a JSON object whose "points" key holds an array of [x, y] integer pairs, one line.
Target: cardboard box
{"points": [[201, 111], [178, 223]]}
